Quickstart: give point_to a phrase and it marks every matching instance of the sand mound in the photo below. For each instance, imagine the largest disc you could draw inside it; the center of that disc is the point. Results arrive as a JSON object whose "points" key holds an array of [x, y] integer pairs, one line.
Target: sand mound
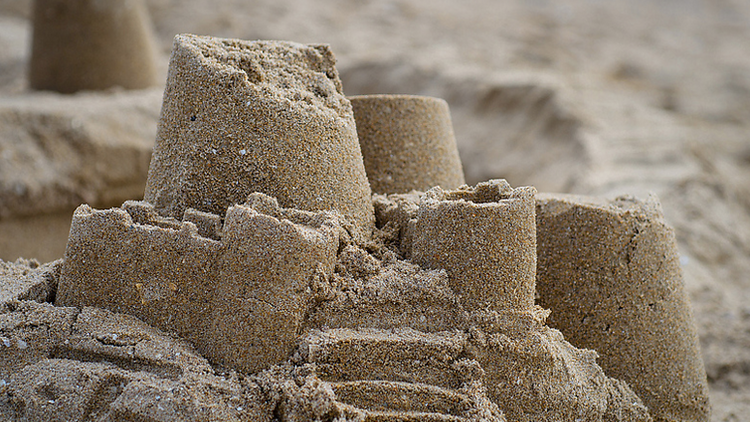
{"points": [[89, 364]]}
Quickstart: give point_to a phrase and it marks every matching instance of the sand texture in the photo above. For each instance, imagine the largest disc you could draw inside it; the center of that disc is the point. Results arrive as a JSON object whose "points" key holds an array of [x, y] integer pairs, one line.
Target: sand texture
{"points": [[602, 99]]}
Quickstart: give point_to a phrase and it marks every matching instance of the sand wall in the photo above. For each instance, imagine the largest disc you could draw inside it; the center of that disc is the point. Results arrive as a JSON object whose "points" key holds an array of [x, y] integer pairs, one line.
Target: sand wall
{"points": [[240, 300]]}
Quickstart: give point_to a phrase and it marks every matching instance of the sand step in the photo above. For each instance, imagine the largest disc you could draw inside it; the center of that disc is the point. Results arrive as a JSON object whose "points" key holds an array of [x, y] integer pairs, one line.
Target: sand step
{"points": [[401, 397], [411, 417], [403, 355]]}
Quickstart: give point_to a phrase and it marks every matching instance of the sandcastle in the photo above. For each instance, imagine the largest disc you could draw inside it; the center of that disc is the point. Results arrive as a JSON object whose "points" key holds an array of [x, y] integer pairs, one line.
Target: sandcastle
{"points": [[261, 244]]}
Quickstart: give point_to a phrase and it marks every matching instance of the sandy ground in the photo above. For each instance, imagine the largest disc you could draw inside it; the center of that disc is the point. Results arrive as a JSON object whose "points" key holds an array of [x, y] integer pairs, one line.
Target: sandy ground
{"points": [[580, 96]]}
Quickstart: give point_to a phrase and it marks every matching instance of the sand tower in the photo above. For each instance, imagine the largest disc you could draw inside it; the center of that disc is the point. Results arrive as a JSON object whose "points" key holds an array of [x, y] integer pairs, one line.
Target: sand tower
{"points": [[407, 143], [610, 272], [240, 117], [91, 45], [485, 238]]}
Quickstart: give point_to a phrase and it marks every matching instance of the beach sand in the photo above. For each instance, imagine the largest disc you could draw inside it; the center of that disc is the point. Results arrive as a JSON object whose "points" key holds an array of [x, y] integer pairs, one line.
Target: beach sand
{"points": [[571, 97]]}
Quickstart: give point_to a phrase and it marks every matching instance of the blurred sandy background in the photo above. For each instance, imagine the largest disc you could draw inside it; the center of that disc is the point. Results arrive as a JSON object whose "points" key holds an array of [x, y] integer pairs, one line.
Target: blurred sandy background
{"points": [[597, 97]]}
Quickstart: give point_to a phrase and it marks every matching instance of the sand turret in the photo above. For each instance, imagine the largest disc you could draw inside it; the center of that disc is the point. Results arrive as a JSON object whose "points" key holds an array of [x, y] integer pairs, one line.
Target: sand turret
{"points": [[407, 143], [485, 238], [91, 45], [610, 272], [267, 116]]}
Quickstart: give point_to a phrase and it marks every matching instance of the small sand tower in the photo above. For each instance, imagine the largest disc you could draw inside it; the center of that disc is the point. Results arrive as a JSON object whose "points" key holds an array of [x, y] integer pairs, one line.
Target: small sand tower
{"points": [[485, 238], [241, 117], [407, 143], [91, 45]]}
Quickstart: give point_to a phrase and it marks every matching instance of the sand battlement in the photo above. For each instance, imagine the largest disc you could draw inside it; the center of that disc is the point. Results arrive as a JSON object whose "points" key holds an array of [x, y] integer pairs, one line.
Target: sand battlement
{"points": [[169, 274]]}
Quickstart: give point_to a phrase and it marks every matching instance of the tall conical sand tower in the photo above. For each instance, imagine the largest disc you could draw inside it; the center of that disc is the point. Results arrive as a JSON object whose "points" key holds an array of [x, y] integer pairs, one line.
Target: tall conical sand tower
{"points": [[91, 45], [241, 117]]}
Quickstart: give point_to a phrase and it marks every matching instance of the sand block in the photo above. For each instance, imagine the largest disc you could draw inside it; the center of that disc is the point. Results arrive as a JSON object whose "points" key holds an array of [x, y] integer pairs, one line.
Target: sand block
{"points": [[407, 143], [533, 374], [91, 45], [132, 261], [404, 355], [397, 295], [87, 364], [27, 280], [485, 238], [240, 117], [610, 272], [272, 258]]}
